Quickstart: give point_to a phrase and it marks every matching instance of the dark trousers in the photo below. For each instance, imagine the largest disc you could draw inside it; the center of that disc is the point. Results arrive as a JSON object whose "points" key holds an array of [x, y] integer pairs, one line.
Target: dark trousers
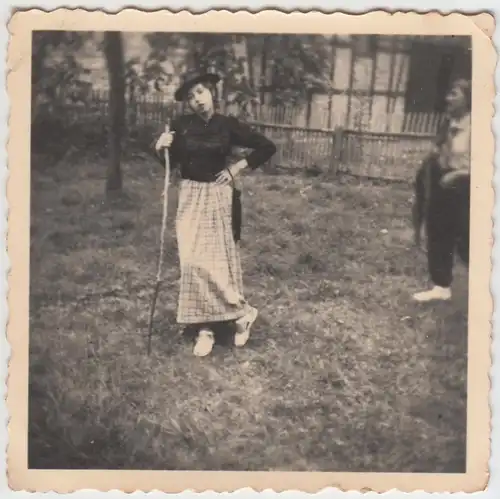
{"points": [[447, 222]]}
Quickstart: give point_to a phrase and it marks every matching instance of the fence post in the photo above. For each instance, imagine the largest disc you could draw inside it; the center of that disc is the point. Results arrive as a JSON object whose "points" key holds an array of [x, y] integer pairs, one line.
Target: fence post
{"points": [[336, 157]]}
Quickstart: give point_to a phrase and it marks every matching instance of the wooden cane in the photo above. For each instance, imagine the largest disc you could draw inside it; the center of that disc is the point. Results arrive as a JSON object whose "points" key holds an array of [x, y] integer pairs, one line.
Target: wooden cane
{"points": [[162, 244]]}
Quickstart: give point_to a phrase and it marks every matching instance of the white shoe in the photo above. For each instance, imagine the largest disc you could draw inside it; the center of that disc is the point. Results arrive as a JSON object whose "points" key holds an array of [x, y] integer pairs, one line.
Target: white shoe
{"points": [[244, 324], [436, 293], [204, 343]]}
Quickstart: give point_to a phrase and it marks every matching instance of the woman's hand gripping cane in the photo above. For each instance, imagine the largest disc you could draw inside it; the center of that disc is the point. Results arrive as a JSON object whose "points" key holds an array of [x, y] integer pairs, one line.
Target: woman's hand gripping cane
{"points": [[163, 142]]}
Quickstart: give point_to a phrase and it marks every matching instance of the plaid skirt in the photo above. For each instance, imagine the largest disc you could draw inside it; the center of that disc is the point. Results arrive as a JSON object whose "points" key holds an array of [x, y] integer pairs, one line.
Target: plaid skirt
{"points": [[211, 284]]}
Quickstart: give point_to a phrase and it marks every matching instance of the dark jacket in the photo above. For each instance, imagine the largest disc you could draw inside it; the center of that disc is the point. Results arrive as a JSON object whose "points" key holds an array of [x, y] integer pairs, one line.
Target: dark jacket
{"points": [[201, 150], [428, 174]]}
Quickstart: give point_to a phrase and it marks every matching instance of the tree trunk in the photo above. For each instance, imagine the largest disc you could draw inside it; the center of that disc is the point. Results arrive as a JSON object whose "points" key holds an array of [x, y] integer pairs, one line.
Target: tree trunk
{"points": [[113, 49], [333, 54], [263, 73], [253, 83], [240, 52], [310, 96]]}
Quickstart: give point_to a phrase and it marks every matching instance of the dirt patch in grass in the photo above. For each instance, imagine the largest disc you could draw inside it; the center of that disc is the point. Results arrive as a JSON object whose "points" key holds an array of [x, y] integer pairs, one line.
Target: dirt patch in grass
{"points": [[342, 373]]}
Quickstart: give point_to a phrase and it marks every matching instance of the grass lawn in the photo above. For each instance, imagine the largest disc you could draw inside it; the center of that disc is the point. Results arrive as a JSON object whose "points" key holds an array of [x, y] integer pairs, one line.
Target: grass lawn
{"points": [[342, 373]]}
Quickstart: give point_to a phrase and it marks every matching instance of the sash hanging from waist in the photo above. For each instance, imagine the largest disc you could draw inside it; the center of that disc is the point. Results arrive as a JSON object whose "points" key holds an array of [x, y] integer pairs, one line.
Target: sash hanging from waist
{"points": [[236, 210]]}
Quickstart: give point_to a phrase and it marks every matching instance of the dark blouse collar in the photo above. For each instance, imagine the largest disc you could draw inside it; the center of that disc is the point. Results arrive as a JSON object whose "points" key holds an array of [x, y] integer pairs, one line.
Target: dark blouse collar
{"points": [[196, 116]]}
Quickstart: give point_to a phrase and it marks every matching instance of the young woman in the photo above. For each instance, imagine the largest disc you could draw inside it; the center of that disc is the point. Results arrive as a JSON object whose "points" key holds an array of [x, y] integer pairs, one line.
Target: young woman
{"points": [[208, 214], [443, 195]]}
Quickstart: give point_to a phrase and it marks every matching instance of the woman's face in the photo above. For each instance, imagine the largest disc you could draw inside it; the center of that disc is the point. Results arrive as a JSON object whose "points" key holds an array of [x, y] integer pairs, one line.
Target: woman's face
{"points": [[200, 99], [455, 100]]}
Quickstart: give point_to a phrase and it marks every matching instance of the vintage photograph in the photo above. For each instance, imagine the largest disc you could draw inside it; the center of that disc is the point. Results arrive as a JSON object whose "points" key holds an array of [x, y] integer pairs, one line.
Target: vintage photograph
{"points": [[249, 251], [341, 326]]}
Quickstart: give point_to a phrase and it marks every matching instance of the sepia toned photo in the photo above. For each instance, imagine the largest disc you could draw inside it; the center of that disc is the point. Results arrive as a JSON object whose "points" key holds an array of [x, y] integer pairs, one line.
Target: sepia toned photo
{"points": [[254, 244]]}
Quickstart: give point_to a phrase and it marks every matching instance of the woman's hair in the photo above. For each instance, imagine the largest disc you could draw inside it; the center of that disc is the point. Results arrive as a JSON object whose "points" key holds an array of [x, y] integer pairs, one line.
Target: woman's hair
{"points": [[464, 86]]}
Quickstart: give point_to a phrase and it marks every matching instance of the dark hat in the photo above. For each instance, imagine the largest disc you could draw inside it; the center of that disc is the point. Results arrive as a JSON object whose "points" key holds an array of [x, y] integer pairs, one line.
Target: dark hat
{"points": [[192, 78]]}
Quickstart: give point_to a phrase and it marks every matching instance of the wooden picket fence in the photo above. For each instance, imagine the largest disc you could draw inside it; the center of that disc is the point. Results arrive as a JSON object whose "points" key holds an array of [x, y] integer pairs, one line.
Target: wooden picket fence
{"points": [[380, 154], [385, 155], [303, 147]]}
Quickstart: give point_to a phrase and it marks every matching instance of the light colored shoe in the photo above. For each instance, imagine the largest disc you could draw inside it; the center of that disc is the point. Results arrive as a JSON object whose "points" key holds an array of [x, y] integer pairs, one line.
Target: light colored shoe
{"points": [[437, 293], [204, 343], [244, 324]]}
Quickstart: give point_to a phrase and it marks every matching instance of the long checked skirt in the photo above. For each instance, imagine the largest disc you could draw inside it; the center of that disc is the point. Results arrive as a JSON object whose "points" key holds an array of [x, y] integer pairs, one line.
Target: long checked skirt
{"points": [[211, 284]]}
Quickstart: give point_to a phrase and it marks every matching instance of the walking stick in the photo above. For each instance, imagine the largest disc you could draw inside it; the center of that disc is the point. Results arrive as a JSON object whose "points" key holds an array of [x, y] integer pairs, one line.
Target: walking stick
{"points": [[162, 244]]}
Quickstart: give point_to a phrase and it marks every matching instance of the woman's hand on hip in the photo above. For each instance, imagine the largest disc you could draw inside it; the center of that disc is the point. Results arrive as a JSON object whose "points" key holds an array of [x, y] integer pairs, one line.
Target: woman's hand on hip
{"points": [[165, 141], [223, 178], [450, 178], [226, 177]]}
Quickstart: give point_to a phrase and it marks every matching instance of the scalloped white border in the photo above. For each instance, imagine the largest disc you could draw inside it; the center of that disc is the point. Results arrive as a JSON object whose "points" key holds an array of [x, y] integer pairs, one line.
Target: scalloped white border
{"points": [[492, 492]]}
